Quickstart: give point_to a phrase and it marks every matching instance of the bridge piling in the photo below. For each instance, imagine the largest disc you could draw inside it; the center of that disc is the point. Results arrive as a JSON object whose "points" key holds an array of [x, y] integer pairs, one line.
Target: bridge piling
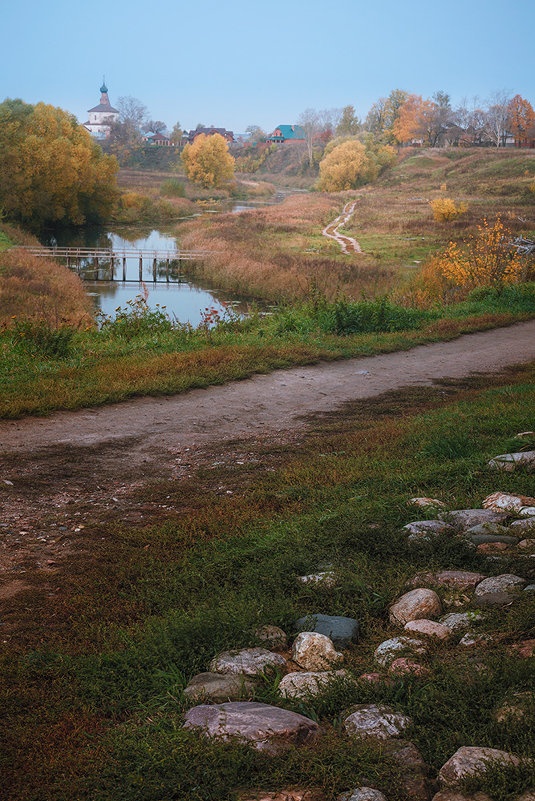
{"points": [[124, 268], [167, 270], [112, 268], [140, 269], [154, 270]]}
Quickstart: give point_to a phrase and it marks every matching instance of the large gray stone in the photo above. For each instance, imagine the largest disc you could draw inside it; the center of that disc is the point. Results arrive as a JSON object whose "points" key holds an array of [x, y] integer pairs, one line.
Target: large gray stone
{"points": [[456, 579], [218, 687], [505, 502], [523, 527], [375, 721], [416, 604], [341, 630], [423, 527], [468, 518], [498, 590], [265, 727], [471, 760], [271, 636], [250, 661], [509, 462], [308, 683], [482, 537], [412, 766], [313, 651], [362, 794], [391, 649], [460, 621], [325, 578]]}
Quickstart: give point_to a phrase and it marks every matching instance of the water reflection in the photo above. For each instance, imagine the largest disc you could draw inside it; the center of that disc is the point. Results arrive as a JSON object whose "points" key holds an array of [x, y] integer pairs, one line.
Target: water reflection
{"points": [[183, 298]]}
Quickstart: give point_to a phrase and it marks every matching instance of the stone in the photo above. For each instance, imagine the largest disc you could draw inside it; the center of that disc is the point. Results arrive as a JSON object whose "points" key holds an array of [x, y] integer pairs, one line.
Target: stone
{"points": [[414, 605], [470, 640], [327, 578], [509, 462], [468, 518], [362, 794], [528, 511], [426, 503], [492, 547], [314, 651], [341, 630], [403, 665], [285, 795], [428, 628], [272, 636], [529, 795], [492, 539], [504, 502], [453, 795], [375, 678], [529, 542], [218, 687], [250, 661], [266, 728], [296, 794], [376, 721], [471, 760], [529, 588], [460, 621], [412, 767], [303, 684], [387, 651], [456, 579], [516, 710], [525, 648], [427, 527], [498, 590]]}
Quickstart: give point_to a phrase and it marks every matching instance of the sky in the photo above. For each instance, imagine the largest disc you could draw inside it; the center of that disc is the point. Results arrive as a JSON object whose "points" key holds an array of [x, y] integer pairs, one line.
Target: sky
{"points": [[235, 63]]}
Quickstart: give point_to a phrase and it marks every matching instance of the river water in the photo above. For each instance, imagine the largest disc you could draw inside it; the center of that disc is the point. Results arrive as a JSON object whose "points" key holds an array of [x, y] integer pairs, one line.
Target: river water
{"points": [[183, 298]]}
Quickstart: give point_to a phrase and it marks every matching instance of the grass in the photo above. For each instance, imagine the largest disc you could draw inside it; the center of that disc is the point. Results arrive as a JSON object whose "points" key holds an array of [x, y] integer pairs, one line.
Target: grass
{"points": [[93, 680], [43, 369]]}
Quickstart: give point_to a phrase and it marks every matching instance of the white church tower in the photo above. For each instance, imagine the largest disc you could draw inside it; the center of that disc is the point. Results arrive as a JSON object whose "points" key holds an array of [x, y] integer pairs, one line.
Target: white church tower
{"points": [[101, 116]]}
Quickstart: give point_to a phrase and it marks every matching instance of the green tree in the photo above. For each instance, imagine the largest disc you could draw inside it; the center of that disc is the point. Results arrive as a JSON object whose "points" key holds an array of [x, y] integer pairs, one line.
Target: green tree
{"points": [[349, 124], [207, 161], [177, 133], [351, 163], [50, 168]]}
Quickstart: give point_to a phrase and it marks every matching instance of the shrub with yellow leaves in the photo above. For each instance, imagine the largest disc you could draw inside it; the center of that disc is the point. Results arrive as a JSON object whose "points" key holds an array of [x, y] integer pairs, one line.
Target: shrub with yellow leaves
{"points": [[485, 260], [445, 210]]}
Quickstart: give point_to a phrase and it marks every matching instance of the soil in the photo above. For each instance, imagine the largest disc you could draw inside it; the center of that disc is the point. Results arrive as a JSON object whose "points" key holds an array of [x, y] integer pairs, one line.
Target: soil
{"points": [[72, 470]]}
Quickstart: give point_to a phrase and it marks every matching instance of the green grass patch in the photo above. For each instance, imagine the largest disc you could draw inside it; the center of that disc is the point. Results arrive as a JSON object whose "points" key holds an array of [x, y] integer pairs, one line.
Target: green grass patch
{"points": [[144, 608]]}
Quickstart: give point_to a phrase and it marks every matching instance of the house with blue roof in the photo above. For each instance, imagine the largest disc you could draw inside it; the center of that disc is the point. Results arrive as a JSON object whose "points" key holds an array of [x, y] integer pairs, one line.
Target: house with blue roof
{"points": [[287, 133]]}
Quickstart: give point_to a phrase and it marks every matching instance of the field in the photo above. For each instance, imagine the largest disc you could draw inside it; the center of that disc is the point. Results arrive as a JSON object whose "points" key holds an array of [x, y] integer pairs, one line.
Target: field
{"points": [[277, 252], [99, 646]]}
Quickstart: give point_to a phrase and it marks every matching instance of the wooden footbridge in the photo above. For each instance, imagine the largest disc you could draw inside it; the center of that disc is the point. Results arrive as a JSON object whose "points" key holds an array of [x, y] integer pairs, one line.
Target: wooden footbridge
{"points": [[90, 260]]}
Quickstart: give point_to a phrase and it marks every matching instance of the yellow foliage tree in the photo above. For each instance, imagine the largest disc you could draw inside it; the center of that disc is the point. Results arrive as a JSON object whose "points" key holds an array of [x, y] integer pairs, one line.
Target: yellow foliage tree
{"points": [[350, 164], [50, 168], [207, 161], [445, 210]]}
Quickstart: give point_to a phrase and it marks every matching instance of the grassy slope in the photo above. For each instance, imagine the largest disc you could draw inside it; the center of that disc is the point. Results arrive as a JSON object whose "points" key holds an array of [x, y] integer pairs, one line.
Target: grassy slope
{"points": [[93, 698]]}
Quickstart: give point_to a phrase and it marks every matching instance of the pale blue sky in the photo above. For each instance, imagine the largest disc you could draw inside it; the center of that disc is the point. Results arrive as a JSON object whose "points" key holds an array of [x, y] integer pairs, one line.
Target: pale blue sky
{"points": [[238, 62]]}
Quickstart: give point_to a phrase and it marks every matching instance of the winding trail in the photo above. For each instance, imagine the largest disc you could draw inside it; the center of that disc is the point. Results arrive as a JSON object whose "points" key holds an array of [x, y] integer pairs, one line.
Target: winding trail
{"points": [[347, 244]]}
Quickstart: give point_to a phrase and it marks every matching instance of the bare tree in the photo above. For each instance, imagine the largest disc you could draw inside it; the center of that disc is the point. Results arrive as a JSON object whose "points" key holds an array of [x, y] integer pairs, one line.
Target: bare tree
{"points": [[497, 117], [310, 122], [132, 111]]}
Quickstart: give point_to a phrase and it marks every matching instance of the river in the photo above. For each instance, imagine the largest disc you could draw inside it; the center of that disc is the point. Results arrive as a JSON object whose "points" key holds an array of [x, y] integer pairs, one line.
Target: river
{"points": [[183, 298]]}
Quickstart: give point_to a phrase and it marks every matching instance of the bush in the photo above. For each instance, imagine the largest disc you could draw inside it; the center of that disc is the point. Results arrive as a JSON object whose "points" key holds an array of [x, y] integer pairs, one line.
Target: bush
{"points": [[445, 210], [366, 316], [40, 338], [172, 188], [135, 319]]}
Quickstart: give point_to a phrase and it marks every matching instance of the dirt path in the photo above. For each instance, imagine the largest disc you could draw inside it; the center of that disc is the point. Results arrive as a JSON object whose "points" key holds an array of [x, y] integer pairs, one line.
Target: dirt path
{"points": [[347, 243], [59, 472]]}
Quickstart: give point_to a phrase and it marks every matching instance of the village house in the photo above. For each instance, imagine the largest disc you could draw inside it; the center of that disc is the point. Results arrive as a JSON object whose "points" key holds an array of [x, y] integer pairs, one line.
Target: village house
{"points": [[158, 139], [227, 135], [101, 117], [287, 133]]}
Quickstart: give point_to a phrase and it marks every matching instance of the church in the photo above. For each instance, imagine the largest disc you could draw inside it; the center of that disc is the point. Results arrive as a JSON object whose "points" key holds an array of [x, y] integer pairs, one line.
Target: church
{"points": [[101, 116]]}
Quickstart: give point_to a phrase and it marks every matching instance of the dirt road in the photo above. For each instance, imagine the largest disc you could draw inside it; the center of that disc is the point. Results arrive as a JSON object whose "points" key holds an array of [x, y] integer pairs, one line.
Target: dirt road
{"points": [[348, 245], [73, 466]]}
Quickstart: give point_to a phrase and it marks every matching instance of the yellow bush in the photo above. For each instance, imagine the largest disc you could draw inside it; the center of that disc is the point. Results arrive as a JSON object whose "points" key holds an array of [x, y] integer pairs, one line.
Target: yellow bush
{"points": [[484, 260], [132, 200], [445, 210]]}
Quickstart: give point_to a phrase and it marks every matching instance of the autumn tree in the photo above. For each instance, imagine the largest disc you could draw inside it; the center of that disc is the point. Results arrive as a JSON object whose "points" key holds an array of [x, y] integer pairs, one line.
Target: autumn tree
{"points": [[176, 134], [156, 126], [383, 115], [256, 133], [521, 118], [50, 169], [497, 117], [424, 119], [351, 163], [207, 161]]}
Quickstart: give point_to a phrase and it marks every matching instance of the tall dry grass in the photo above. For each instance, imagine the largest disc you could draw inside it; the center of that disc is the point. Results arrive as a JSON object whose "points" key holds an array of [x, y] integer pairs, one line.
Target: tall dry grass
{"points": [[278, 252], [33, 288]]}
